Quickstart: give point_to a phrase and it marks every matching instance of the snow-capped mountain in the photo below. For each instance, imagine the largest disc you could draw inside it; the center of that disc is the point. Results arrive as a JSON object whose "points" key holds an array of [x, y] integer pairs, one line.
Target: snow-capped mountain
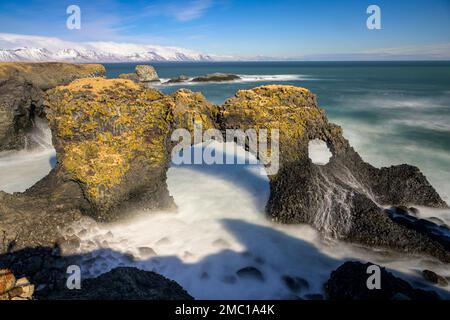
{"points": [[33, 48]]}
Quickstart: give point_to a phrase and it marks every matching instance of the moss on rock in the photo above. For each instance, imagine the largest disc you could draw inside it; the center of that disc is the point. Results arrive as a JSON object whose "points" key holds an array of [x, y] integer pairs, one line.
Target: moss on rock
{"points": [[46, 75], [291, 110], [105, 131], [191, 108]]}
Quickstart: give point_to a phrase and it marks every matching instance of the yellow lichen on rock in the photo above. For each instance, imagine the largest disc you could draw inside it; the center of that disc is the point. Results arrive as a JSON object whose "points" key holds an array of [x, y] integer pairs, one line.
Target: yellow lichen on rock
{"points": [[192, 108], [289, 109], [47, 75], [98, 84], [103, 128]]}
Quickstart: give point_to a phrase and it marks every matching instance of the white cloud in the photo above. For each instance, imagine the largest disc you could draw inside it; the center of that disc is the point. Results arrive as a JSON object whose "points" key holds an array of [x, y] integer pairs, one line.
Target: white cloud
{"points": [[189, 10], [193, 10]]}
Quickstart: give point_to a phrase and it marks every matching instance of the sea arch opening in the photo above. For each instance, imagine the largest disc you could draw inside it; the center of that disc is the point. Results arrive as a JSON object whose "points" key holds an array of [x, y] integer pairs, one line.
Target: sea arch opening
{"points": [[221, 190]]}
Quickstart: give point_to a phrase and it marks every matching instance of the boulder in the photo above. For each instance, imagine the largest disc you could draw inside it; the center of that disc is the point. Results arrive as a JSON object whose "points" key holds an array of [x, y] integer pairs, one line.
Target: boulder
{"points": [[349, 282], [433, 277], [216, 77], [49, 282], [7, 280], [13, 289], [178, 79], [20, 100], [250, 273], [124, 284], [295, 284], [146, 73]]}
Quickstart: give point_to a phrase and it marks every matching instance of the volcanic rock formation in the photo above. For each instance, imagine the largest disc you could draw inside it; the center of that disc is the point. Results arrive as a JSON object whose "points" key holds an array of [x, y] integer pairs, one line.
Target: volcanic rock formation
{"points": [[112, 139]]}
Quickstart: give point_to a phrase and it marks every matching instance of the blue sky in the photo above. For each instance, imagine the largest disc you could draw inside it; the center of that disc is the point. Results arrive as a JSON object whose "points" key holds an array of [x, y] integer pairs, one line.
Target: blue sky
{"points": [[243, 28]]}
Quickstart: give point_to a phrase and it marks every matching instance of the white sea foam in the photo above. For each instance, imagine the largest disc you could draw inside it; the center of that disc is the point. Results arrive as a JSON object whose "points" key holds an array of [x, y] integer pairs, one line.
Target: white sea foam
{"points": [[20, 170], [219, 228], [244, 78]]}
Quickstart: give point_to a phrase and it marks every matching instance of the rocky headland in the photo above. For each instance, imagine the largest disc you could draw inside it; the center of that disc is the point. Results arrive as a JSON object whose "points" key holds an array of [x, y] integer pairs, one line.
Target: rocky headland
{"points": [[112, 139], [22, 90]]}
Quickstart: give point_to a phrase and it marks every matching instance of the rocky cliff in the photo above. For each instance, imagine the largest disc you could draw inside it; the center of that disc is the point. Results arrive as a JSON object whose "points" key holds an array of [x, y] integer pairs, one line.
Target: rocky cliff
{"points": [[46, 75], [20, 101], [343, 198], [22, 87]]}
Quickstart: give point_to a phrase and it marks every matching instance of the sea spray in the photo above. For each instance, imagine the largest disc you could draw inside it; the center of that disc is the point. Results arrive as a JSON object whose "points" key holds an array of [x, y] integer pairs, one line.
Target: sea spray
{"points": [[219, 228]]}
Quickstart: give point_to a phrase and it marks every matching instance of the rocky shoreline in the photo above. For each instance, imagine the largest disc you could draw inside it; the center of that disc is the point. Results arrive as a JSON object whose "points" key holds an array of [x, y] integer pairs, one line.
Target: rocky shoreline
{"points": [[112, 139]]}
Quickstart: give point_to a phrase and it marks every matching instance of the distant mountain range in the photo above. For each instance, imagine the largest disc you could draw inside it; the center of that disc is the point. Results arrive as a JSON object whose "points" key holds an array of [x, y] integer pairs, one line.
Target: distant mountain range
{"points": [[33, 48], [17, 47]]}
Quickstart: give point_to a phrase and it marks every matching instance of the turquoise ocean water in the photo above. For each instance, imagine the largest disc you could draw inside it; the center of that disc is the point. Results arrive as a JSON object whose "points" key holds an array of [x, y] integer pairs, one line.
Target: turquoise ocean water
{"points": [[392, 112]]}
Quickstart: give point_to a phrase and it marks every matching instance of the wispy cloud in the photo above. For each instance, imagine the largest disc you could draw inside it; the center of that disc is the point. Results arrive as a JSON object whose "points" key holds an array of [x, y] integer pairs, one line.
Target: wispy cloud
{"points": [[440, 50], [190, 10]]}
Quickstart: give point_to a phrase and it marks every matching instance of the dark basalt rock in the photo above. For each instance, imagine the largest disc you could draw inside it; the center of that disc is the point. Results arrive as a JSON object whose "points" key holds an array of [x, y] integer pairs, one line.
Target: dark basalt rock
{"points": [[216, 77], [124, 129], [433, 277], [21, 95], [20, 101], [341, 198], [348, 282], [314, 296], [178, 79], [437, 232], [125, 284], [250, 273], [46, 270], [295, 284]]}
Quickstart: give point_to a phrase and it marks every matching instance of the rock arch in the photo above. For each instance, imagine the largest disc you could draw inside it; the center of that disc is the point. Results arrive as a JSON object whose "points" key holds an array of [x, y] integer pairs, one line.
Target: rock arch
{"points": [[113, 143]]}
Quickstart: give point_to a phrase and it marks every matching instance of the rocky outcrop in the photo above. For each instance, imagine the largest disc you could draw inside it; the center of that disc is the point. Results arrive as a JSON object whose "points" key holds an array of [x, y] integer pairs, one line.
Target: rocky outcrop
{"points": [[125, 284], [342, 198], [178, 79], [146, 73], [46, 75], [20, 100], [438, 232], [434, 278], [216, 77], [46, 271], [112, 139], [349, 282], [191, 109], [21, 95], [36, 217], [14, 289]]}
